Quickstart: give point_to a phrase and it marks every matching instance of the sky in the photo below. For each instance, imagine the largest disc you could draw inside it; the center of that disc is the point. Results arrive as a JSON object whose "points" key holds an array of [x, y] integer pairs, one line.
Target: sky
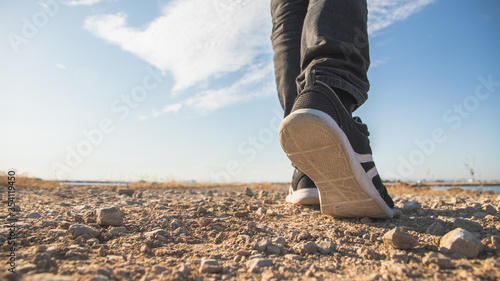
{"points": [[184, 90]]}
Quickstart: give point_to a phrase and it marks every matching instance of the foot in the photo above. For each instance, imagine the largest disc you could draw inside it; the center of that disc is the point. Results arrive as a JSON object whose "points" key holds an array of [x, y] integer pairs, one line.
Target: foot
{"points": [[323, 140], [302, 191]]}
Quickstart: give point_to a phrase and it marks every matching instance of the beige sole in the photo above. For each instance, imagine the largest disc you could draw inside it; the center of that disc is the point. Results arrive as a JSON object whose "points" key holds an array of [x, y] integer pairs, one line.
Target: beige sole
{"points": [[318, 147]]}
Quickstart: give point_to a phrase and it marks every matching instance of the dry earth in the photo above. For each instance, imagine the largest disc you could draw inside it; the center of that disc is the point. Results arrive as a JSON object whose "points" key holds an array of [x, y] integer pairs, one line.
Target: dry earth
{"points": [[240, 233]]}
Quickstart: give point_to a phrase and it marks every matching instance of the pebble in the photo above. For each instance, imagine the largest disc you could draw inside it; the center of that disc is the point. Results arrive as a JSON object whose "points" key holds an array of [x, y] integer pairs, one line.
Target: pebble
{"points": [[306, 248], [261, 211], [241, 214], [126, 191], [79, 229], [471, 226], [325, 247], [490, 209], [366, 220], [262, 244], [257, 264], [117, 230], [400, 257], [155, 233], [441, 260], [33, 215], [273, 249], [249, 192], [399, 239], [210, 266], [47, 277], [435, 229], [460, 241], [411, 207], [109, 216]]}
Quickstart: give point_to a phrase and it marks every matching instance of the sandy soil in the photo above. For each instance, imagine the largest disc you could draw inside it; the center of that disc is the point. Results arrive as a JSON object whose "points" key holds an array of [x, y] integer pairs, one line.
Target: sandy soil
{"points": [[240, 233]]}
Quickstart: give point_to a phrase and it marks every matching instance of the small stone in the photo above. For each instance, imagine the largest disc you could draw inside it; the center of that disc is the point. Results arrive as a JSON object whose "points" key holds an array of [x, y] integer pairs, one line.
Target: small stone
{"points": [[479, 215], [437, 258], [154, 233], [249, 192], [47, 277], [33, 215], [176, 223], [210, 266], [78, 230], [262, 244], [398, 239], [126, 191], [110, 216], [280, 241], [271, 213], [367, 254], [400, 257], [158, 269], [241, 214], [306, 248], [435, 229], [495, 241], [366, 220], [26, 268], [411, 207], [99, 278], [294, 257], [261, 211], [244, 253], [490, 209], [468, 225], [460, 241], [257, 264], [325, 247], [397, 213], [272, 249], [117, 230]]}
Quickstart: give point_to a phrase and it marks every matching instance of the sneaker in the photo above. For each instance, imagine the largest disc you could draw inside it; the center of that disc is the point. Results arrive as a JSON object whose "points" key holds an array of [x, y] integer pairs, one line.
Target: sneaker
{"points": [[302, 191], [322, 139]]}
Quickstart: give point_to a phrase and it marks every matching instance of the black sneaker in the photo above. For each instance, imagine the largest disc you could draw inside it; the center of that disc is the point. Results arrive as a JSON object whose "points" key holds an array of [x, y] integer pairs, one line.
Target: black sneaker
{"points": [[322, 139], [302, 191]]}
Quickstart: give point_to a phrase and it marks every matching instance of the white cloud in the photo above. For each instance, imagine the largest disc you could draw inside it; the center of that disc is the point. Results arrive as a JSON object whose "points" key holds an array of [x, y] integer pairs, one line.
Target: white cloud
{"points": [[198, 40], [194, 39], [83, 2], [60, 66], [383, 13]]}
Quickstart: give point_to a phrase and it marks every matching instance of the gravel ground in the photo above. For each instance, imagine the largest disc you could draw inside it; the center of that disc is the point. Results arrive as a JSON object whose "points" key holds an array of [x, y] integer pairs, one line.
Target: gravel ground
{"points": [[247, 233]]}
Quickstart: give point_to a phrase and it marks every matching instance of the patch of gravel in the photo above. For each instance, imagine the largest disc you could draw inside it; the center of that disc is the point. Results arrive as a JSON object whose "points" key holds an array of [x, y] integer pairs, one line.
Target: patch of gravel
{"points": [[243, 233]]}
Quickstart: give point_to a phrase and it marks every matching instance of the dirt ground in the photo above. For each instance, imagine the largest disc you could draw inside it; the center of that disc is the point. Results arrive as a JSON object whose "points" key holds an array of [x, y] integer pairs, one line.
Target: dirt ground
{"points": [[243, 232]]}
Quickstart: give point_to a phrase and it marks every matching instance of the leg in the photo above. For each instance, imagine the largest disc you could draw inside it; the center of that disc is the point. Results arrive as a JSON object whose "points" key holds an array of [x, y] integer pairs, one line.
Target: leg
{"points": [[288, 20], [319, 135]]}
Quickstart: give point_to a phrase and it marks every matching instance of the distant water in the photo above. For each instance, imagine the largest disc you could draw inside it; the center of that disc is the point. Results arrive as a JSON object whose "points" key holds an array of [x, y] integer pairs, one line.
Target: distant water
{"points": [[495, 188]]}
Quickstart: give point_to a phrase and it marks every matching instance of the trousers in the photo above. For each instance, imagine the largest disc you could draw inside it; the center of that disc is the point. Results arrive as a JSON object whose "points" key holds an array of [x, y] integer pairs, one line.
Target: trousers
{"points": [[324, 39]]}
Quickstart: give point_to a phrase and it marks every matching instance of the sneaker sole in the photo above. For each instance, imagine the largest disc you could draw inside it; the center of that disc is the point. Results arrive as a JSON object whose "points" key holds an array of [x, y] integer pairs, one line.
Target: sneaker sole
{"points": [[307, 196], [314, 142]]}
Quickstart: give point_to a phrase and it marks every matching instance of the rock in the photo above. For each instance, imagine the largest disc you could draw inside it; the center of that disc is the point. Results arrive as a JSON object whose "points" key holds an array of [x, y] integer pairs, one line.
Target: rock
{"points": [[400, 257], [468, 225], [262, 244], [117, 230], [280, 241], [99, 278], [26, 268], [398, 239], [437, 258], [158, 269], [294, 257], [155, 233], [241, 214], [44, 263], [367, 254], [33, 215], [411, 207], [79, 229], [460, 241], [495, 241], [257, 264], [272, 249], [249, 192], [435, 229], [490, 209], [366, 220], [479, 215], [306, 248], [126, 191], [261, 211], [110, 216], [210, 266], [325, 247]]}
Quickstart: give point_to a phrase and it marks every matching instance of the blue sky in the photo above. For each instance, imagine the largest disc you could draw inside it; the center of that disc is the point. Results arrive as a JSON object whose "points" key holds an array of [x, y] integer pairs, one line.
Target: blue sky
{"points": [[184, 90]]}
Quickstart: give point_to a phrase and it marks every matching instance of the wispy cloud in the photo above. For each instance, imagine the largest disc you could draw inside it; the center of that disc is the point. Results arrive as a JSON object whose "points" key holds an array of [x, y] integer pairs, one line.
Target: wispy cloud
{"points": [[60, 66], [196, 41], [383, 13], [83, 2]]}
